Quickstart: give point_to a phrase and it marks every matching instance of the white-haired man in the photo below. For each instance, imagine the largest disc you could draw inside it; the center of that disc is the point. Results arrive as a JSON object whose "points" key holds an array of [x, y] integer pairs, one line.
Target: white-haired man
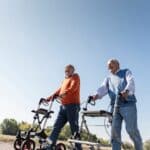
{"points": [[121, 82], [69, 109]]}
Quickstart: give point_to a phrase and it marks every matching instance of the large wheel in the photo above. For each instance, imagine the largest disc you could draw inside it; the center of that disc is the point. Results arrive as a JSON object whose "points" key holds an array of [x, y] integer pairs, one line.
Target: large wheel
{"points": [[17, 144], [60, 146], [28, 145]]}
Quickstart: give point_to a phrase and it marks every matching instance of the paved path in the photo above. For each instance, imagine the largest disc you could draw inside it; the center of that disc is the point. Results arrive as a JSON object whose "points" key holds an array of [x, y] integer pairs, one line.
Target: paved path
{"points": [[9, 146], [6, 146]]}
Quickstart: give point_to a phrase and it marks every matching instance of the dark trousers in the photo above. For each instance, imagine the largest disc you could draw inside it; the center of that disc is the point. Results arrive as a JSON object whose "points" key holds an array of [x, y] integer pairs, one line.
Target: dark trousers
{"points": [[67, 113]]}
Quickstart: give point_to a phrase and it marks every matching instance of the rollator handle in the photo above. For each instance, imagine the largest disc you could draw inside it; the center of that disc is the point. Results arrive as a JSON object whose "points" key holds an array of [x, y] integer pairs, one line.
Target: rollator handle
{"points": [[89, 101], [42, 100]]}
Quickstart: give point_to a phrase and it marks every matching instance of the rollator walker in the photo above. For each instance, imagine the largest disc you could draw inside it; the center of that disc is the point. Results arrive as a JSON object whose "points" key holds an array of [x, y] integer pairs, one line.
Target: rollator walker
{"points": [[25, 140], [108, 117], [92, 114]]}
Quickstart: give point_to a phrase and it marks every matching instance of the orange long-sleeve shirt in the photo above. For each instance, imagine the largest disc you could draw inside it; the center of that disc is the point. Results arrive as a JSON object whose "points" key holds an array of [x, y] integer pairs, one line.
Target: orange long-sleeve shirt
{"points": [[71, 87]]}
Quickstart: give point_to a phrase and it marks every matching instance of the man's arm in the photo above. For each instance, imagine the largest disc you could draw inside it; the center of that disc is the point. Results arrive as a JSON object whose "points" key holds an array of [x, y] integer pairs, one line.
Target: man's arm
{"points": [[102, 90]]}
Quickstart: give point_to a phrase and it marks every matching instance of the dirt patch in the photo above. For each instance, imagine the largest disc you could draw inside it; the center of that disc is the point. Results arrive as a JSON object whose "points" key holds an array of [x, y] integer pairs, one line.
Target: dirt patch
{"points": [[6, 146]]}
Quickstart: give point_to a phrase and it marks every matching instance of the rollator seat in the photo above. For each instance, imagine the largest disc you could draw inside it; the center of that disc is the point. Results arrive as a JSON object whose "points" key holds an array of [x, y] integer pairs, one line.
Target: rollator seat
{"points": [[41, 111], [100, 113]]}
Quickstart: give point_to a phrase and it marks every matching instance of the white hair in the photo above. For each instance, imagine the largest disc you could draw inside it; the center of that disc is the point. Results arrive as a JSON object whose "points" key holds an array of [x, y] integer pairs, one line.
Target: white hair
{"points": [[113, 60]]}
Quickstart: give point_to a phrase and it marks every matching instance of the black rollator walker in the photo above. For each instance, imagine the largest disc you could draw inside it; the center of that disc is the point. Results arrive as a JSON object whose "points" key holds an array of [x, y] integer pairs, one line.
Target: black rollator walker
{"points": [[86, 113], [24, 140]]}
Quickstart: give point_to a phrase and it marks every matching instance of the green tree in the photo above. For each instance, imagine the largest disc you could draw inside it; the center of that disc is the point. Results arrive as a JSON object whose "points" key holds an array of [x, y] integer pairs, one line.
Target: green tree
{"points": [[9, 127]]}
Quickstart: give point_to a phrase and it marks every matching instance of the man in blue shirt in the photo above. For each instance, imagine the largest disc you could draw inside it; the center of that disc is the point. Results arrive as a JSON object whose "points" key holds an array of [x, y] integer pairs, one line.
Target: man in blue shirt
{"points": [[120, 87]]}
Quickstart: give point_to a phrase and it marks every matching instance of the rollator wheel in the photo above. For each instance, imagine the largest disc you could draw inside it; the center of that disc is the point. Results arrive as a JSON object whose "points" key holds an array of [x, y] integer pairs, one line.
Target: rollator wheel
{"points": [[28, 145], [60, 146], [17, 144]]}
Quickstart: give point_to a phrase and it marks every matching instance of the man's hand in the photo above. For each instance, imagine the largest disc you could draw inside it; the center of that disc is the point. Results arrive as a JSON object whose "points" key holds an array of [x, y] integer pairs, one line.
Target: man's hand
{"points": [[95, 97], [52, 97], [124, 94], [48, 98]]}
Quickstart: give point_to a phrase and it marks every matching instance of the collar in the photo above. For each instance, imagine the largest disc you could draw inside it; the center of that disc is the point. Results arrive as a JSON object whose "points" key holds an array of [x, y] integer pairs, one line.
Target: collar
{"points": [[117, 71]]}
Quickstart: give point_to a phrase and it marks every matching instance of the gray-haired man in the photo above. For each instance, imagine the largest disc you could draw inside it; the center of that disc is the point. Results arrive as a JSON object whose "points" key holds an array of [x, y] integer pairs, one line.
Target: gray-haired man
{"points": [[121, 81]]}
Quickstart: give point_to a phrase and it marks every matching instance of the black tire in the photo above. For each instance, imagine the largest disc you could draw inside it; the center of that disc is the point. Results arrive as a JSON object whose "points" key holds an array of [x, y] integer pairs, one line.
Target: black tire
{"points": [[17, 144], [28, 145], [60, 146]]}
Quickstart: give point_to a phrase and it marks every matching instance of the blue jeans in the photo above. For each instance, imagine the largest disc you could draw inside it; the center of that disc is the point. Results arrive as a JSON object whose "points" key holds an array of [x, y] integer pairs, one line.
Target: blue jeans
{"points": [[68, 113], [129, 115]]}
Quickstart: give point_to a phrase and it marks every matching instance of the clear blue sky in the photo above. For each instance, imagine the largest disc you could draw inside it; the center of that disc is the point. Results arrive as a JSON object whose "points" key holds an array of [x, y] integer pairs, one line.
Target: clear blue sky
{"points": [[38, 38]]}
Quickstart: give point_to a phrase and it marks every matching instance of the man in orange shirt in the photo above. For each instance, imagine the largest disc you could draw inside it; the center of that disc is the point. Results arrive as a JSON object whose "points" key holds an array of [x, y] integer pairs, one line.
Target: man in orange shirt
{"points": [[70, 106]]}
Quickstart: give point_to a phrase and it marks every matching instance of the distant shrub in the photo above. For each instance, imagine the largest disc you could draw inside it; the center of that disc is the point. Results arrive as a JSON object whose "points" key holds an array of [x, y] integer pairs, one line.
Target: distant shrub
{"points": [[65, 133], [147, 145], [9, 127], [24, 126], [127, 146], [105, 142]]}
